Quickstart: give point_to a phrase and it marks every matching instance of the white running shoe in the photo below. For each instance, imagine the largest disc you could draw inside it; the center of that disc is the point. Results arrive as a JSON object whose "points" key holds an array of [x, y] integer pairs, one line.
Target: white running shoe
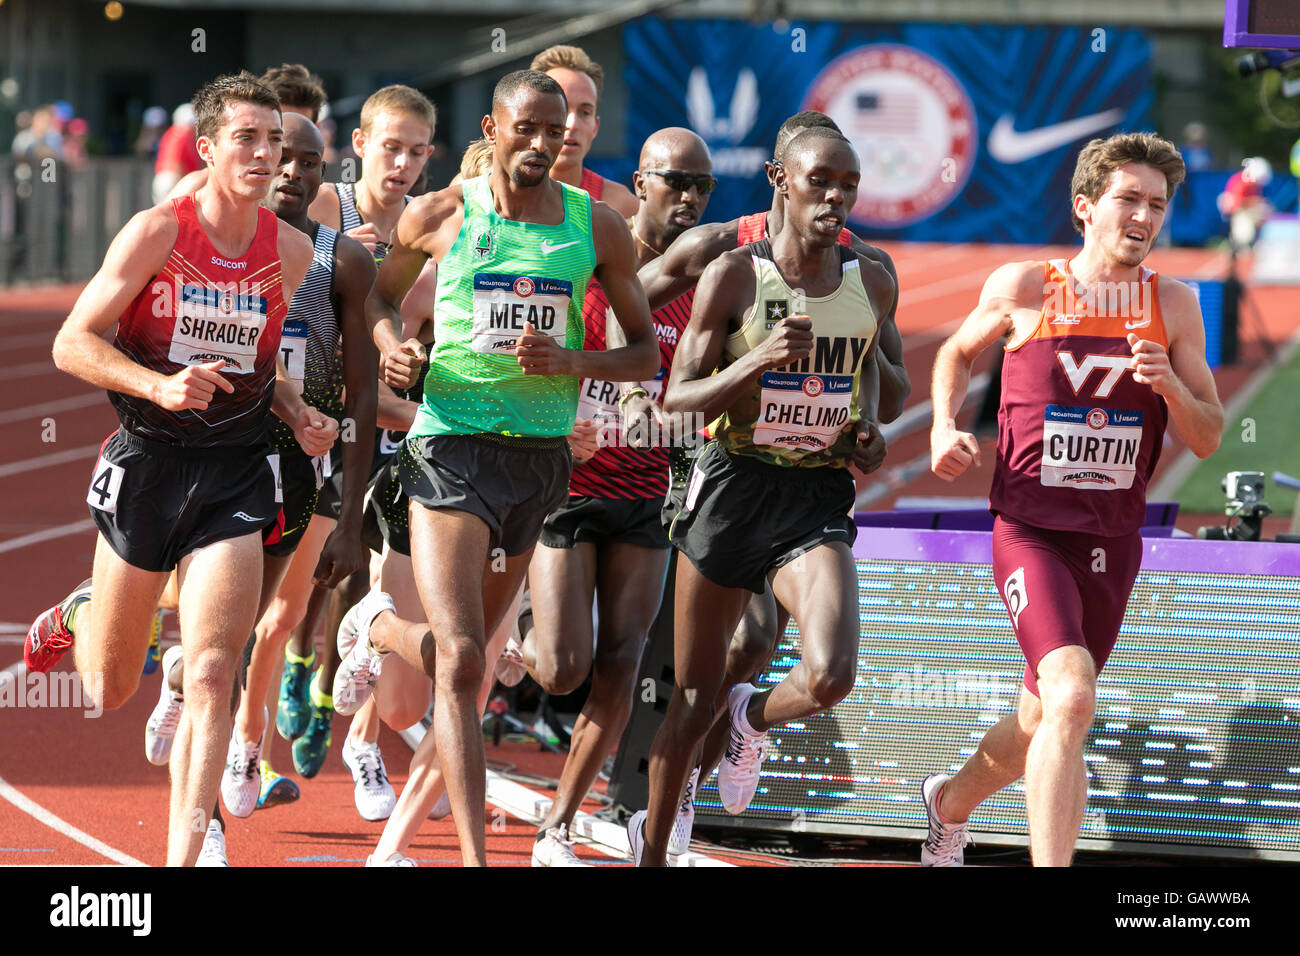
{"points": [[738, 773], [241, 783], [160, 728], [442, 808], [360, 664], [556, 849], [394, 859], [679, 840], [510, 668], [372, 793], [946, 843], [213, 852], [636, 836]]}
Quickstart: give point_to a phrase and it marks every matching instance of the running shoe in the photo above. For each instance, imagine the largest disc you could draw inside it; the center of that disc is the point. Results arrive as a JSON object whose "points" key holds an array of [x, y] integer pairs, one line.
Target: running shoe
{"points": [[154, 656], [679, 840], [636, 836], [275, 788], [48, 639], [213, 852], [240, 783], [359, 664], [442, 808], [738, 773], [160, 728], [554, 848], [310, 749], [945, 845], [372, 792], [293, 710], [394, 859], [510, 668]]}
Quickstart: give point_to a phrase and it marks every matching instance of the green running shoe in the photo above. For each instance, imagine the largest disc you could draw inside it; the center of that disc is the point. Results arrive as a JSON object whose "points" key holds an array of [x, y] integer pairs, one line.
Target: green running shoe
{"points": [[309, 750], [293, 710], [275, 788]]}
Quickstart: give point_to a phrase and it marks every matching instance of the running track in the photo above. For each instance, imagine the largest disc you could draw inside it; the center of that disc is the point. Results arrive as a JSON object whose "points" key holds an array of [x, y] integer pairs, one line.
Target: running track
{"points": [[75, 791]]}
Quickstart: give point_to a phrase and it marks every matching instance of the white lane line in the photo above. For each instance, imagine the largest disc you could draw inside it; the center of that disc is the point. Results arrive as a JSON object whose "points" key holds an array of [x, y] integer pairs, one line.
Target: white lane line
{"points": [[28, 369], [69, 404], [34, 809], [50, 460], [36, 537]]}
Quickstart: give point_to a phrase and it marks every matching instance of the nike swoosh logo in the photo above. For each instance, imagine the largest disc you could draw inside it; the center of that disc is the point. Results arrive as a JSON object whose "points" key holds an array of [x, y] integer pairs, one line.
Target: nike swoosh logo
{"points": [[1007, 145], [1137, 325], [547, 248]]}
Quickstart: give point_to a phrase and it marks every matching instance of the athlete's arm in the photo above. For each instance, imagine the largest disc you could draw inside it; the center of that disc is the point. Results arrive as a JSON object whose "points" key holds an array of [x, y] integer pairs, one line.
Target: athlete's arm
{"points": [[893, 385], [620, 198], [394, 412], [680, 267], [417, 307], [723, 293], [1181, 376], [313, 430], [325, 208], [189, 184], [136, 256], [1007, 295], [616, 271]]}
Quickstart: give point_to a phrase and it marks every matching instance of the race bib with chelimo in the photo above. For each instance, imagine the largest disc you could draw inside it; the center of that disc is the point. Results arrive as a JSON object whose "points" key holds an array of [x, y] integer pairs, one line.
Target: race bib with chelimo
{"points": [[212, 324], [504, 303], [1090, 447], [802, 411], [293, 351]]}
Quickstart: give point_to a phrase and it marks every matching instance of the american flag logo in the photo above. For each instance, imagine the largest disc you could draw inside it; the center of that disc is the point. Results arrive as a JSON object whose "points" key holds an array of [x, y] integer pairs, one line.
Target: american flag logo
{"points": [[887, 111]]}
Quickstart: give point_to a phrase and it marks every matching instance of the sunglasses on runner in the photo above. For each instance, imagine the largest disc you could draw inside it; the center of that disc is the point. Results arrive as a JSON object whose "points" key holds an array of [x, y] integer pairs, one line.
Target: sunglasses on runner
{"points": [[681, 182]]}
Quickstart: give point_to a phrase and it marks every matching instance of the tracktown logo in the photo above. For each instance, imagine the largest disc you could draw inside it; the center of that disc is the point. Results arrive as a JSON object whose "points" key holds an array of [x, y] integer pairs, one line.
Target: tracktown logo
{"points": [[63, 689], [76, 909], [969, 690]]}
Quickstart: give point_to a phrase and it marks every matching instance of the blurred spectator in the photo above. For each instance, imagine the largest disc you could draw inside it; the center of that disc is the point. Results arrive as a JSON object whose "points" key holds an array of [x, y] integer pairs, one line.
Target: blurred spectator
{"points": [[74, 143], [22, 125], [41, 139], [177, 154], [1195, 148], [153, 125], [1243, 202]]}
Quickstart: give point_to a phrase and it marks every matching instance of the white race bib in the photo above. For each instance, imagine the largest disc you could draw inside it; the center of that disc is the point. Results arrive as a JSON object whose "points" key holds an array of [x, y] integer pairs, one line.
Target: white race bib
{"points": [[504, 303], [212, 325], [105, 486], [805, 412], [293, 350], [1094, 448]]}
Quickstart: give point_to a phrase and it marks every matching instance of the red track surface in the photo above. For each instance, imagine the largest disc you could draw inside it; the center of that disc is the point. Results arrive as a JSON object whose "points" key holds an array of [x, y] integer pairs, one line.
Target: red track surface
{"points": [[92, 773]]}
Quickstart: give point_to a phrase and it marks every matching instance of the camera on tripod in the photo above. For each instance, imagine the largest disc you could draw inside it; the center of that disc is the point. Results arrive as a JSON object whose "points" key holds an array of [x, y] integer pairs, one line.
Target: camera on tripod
{"points": [[1246, 508]]}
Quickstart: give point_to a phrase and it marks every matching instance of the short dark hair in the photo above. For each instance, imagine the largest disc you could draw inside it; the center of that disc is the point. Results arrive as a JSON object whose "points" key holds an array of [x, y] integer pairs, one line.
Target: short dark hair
{"points": [[808, 119], [810, 134], [1101, 157], [296, 86], [213, 97], [512, 83]]}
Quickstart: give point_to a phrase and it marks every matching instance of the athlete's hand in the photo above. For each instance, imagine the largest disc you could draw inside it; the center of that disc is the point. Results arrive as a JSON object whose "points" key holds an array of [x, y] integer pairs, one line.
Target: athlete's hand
{"points": [[192, 387], [791, 340], [342, 556], [401, 366], [952, 451], [368, 235], [643, 419], [584, 440], [869, 452], [315, 432], [539, 354], [1151, 365]]}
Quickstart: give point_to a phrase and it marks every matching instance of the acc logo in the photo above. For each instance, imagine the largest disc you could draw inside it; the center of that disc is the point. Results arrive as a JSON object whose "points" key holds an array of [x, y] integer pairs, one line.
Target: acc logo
{"points": [[912, 124], [1097, 418], [812, 386], [524, 287]]}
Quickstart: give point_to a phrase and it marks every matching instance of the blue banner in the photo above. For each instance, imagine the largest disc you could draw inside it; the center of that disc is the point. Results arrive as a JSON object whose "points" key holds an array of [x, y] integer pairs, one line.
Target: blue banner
{"points": [[965, 133]]}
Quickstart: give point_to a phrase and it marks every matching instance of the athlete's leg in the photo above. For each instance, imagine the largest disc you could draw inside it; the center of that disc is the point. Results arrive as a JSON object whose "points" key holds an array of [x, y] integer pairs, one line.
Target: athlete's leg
{"points": [[218, 607], [558, 650], [403, 693], [704, 617], [999, 762], [1055, 777], [629, 589]]}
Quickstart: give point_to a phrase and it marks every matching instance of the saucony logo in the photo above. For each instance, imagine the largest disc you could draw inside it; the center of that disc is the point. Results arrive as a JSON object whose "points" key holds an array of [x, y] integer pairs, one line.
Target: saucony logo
{"points": [[1007, 145], [547, 248]]}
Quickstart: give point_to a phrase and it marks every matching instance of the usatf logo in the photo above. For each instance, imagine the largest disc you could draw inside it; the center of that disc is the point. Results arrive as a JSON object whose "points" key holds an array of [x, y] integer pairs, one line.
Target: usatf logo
{"points": [[524, 287], [912, 124], [775, 310]]}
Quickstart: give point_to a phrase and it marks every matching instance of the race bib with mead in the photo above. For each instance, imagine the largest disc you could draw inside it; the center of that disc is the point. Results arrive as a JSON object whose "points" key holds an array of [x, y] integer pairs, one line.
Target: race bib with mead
{"points": [[503, 304], [1094, 448], [212, 324], [802, 411]]}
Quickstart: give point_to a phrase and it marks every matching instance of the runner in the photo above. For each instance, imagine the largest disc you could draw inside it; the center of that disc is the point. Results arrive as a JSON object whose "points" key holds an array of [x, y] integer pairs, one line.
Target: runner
{"points": [[770, 497], [197, 289], [487, 458], [582, 80], [1075, 452], [607, 541]]}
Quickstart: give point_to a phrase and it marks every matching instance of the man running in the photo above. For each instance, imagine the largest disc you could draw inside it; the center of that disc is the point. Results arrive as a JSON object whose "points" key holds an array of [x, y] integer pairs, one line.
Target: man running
{"points": [[583, 80], [198, 289], [607, 539], [1101, 354], [769, 500], [487, 458]]}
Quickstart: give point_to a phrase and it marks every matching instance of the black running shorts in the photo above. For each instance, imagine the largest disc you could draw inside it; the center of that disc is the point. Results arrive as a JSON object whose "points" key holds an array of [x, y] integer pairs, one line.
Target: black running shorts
{"points": [[629, 520], [155, 503], [743, 518], [512, 484], [301, 480]]}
